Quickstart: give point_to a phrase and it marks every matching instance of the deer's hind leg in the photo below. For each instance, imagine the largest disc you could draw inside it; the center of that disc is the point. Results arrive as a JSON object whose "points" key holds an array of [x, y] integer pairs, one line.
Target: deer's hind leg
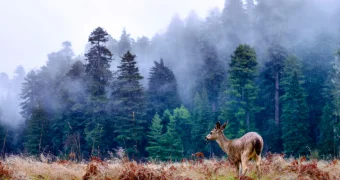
{"points": [[237, 165], [258, 165], [244, 160]]}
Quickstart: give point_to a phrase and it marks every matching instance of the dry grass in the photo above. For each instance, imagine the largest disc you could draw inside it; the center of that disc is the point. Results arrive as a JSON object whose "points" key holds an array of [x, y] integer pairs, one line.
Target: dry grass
{"points": [[273, 167]]}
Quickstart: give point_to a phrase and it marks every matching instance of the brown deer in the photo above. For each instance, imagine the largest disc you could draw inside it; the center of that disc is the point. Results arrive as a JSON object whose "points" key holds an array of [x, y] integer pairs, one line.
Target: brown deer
{"points": [[198, 155], [72, 156], [240, 150]]}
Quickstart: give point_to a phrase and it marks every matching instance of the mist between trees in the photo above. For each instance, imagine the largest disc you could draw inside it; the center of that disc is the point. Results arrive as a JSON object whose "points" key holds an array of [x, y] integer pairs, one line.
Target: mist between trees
{"points": [[270, 66]]}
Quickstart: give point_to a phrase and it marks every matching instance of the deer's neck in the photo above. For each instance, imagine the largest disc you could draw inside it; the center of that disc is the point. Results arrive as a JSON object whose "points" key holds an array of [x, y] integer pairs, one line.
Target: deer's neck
{"points": [[223, 142]]}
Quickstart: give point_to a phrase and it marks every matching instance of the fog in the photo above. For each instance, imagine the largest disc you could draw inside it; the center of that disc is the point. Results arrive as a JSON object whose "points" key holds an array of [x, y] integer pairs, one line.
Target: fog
{"points": [[32, 33], [32, 29]]}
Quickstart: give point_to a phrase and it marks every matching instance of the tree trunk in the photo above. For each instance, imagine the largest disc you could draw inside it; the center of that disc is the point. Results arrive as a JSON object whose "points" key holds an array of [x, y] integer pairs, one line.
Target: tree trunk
{"points": [[277, 99]]}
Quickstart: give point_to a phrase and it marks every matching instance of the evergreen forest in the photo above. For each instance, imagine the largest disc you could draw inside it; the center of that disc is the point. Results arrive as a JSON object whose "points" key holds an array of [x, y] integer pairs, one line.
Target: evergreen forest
{"points": [[269, 66]]}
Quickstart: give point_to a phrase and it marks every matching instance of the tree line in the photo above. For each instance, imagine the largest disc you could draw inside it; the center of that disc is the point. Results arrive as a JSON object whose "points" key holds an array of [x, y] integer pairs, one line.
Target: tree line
{"points": [[286, 92]]}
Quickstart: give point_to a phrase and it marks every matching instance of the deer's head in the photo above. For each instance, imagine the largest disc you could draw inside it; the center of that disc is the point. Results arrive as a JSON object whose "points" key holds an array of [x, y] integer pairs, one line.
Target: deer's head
{"points": [[216, 132]]}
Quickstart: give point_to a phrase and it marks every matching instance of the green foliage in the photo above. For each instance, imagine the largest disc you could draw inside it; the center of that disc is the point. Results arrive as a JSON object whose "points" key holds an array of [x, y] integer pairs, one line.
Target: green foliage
{"points": [[72, 121], [162, 92], [295, 125], [202, 121], [316, 65], [240, 107], [156, 139], [98, 60], [97, 77], [183, 125], [335, 100], [129, 107], [327, 123], [72, 100], [173, 140], [93, 136], [36, 136], [268, 119], [212, 74], [30, 94]]}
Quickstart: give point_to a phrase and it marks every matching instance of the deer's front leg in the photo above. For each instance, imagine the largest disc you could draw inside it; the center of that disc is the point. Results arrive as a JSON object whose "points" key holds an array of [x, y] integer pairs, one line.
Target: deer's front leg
{"points": [[237, 164]]}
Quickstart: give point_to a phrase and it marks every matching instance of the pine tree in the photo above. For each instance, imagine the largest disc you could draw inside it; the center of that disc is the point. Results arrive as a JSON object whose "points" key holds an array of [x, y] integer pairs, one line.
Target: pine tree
{"points": [[182, 117], [129, 107], [334, 105], [173, 142], [165, 120], [240, 107], [326, 143], [270, 84], [73, 115], [37, 128], [98, 63], [277, 55], [30, 94], [156, 139], [59, 63], [316, 67], [212, 74], [97, 77], [295, 127], [142, 46], [93, 136], [202, 121], [124, 43], [162, 92]]}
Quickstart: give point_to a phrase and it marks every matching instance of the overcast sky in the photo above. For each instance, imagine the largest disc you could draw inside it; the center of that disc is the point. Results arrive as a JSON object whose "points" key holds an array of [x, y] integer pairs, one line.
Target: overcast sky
{"points": [[30, 29]]}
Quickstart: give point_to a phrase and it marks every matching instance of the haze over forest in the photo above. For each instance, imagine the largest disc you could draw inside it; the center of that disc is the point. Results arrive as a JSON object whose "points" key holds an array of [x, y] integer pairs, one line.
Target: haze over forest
{"points": [[270, 66]]}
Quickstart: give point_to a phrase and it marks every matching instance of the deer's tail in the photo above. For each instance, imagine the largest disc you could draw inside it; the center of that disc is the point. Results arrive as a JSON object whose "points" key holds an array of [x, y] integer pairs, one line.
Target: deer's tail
{"points": [[258, 146]]}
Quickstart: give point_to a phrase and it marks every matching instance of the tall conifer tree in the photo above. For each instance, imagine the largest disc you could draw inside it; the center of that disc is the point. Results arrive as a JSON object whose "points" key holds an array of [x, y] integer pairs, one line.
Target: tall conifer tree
{"points": [[156, 139], [212, 74], [240, 107], [129, 107], [98, 75], [173, 142], [295, 125], [202, 121], [163, 91]]}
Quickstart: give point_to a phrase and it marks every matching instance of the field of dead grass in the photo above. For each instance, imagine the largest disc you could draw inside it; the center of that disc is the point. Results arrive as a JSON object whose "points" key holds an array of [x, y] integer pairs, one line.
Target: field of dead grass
{"points": [[273, 167]]}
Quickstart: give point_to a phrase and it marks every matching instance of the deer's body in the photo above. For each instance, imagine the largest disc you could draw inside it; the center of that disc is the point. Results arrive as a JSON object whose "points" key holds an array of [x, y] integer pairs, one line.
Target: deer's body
{"points": [[72, 156], [198, 155], [239, 150]]}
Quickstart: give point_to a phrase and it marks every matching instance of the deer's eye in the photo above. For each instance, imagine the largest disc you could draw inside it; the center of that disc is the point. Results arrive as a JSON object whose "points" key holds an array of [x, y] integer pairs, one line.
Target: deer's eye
{"points": [[210, 132]]}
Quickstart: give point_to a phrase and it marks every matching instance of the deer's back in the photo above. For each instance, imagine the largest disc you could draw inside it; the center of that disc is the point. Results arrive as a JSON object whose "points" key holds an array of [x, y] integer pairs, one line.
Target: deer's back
{"points": [[251, 143]]}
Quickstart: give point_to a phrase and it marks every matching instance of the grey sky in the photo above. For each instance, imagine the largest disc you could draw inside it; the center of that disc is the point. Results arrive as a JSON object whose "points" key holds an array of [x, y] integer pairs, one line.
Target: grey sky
{"points": [[30, 29]]}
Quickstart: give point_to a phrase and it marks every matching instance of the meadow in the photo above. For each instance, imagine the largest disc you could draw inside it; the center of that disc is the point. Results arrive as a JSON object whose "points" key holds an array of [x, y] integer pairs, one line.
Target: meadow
{"points": [[274, 166]]}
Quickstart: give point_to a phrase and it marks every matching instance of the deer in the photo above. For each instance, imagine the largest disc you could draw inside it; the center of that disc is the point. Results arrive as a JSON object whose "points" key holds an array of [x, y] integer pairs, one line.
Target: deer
{"points": [[199, 156], [240, 150], [72, 156]]}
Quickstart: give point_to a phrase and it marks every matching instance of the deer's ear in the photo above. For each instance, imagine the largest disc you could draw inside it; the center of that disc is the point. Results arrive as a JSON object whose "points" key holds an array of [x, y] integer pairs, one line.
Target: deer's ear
{"points": [[223, 126], [218, 125]]}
